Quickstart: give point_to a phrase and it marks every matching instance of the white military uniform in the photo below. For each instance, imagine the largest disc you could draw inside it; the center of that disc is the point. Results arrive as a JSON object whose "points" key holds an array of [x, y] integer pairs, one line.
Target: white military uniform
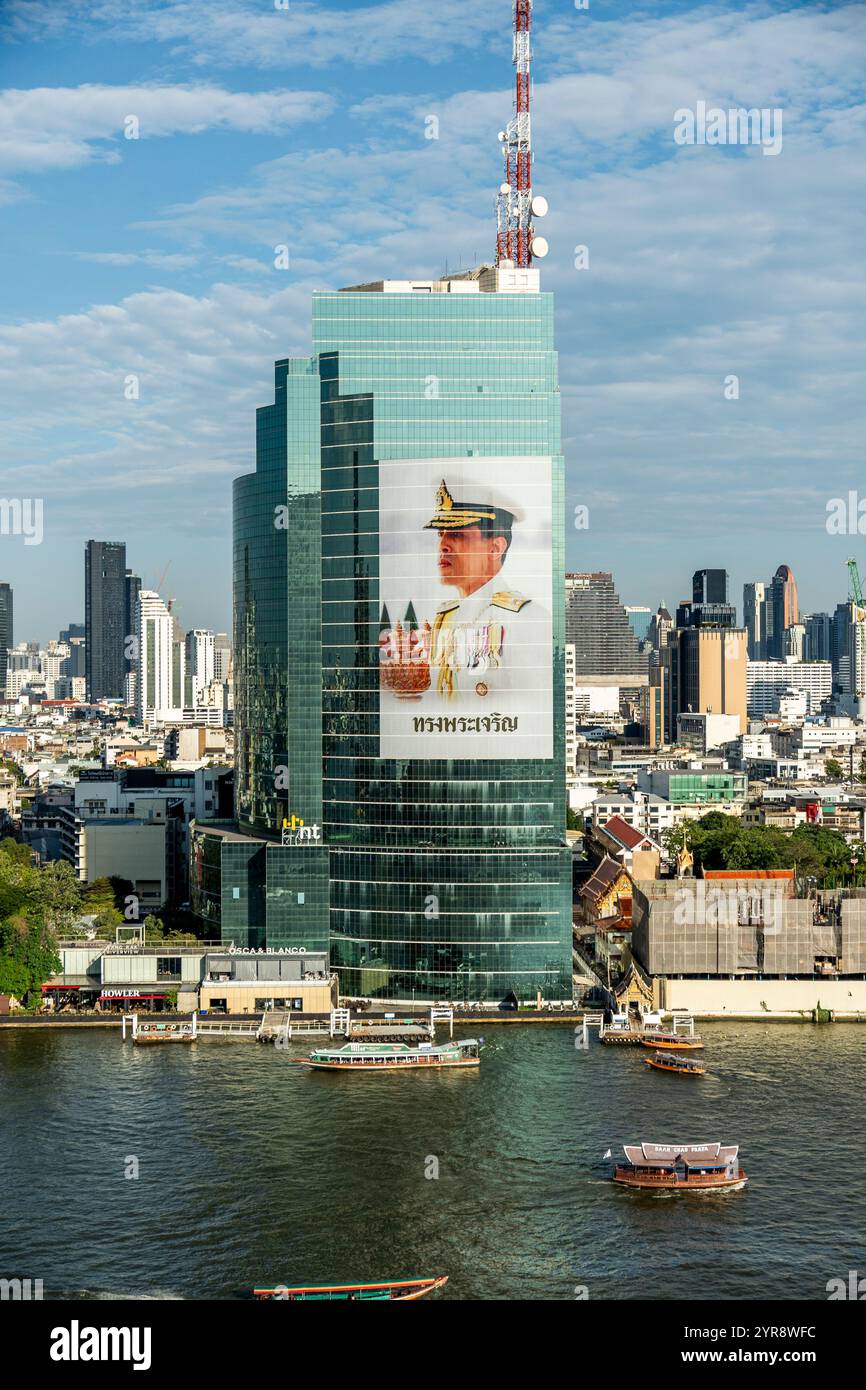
{"points": [[483, 644]]}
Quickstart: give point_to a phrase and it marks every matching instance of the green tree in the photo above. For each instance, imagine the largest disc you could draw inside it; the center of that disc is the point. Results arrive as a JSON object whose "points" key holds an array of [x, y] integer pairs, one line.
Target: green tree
{"points": [[834, 769], [61, 895], [98, 896], [19, 854], [719, 841], [106, 921], [28, 955]]}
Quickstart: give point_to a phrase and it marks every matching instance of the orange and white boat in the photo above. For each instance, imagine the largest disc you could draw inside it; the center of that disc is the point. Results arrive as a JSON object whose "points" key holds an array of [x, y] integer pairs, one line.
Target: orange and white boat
{"points": [[682, 1042], [675, 1062], [681, 1168]]}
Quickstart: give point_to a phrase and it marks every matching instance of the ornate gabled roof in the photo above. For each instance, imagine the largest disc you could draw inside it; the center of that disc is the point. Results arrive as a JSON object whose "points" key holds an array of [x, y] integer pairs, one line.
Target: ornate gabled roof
{"points": [[603, 877]]}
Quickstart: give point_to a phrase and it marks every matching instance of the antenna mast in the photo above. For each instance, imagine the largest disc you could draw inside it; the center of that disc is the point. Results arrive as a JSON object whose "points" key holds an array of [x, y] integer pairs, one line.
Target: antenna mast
{"points": [[515, 207]]}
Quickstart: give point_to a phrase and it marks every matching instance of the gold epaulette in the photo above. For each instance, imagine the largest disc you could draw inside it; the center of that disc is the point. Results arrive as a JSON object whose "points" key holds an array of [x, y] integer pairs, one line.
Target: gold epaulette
{"points": [[508, 599]]}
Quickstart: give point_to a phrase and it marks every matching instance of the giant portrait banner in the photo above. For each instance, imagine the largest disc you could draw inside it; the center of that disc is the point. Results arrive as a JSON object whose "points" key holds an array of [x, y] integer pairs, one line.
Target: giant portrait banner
{"points": [[465, 586]]}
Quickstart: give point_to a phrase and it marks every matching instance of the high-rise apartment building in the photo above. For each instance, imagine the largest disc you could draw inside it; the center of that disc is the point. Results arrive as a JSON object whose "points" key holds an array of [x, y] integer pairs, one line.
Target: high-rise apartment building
{"points": [[781, 609], [817, 644], [852, 666], [6, 632], [709, 606], [639, 618], [768, 681], [710, 674], [704, 661], [105, 619], [755, 619], [222, 658], [653, 707], [154, 630], [839, 634], [660, 629], [597, 626], [710, 586], [199, 665]]}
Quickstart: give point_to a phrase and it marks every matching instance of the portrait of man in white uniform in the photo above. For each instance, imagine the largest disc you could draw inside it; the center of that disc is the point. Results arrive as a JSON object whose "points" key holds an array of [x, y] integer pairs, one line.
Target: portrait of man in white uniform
{"points": [[466, 658]]}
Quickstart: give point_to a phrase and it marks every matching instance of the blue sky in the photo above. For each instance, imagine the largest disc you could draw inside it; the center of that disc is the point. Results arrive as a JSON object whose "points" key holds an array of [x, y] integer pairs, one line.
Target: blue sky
{"points": [[306, 126]]}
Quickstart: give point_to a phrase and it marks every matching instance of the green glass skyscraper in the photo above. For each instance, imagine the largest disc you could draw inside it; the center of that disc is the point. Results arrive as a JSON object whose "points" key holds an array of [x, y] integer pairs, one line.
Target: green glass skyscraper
{"points": [[399, 642]]}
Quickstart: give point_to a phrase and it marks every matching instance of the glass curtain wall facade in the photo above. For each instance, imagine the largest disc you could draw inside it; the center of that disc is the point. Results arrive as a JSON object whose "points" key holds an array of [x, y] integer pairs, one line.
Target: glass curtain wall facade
{"points": [[105, 619], [277, 634], [449, 878], [437, 878]]}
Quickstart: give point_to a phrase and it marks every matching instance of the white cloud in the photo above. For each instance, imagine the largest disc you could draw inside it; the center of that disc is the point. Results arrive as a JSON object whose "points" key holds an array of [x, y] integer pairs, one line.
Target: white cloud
{"points": [[203, 364], [255, 33], [160, 260], [60, 127]]}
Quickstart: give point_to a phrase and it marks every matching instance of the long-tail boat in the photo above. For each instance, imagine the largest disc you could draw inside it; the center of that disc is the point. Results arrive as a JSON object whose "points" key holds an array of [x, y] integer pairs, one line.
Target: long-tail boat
{"points": [[404, 1289], [682, 1042], [670, 1061], [681, 1168], [393, 1056]]}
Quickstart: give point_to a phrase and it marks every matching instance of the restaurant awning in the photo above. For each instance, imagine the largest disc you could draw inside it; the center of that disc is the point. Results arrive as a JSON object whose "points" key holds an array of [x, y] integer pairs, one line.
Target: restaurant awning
{"points": [[81, 982]]}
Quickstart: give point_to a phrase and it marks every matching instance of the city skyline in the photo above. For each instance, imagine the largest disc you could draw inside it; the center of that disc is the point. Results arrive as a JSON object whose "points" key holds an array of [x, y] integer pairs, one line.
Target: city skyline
{"points": [[175, 282]]}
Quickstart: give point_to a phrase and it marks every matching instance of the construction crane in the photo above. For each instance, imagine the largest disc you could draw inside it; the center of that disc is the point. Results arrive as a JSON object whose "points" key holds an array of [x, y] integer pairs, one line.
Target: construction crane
{"points": [[854, 576], [855, 663], [516, 242]]}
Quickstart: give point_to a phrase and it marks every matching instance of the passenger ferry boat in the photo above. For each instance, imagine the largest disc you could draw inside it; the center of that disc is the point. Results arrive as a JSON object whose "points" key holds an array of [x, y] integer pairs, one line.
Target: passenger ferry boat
{"points": [[670, 1061], [394, 1056], [682, 1042], [681, 1168], [403, 1289]]}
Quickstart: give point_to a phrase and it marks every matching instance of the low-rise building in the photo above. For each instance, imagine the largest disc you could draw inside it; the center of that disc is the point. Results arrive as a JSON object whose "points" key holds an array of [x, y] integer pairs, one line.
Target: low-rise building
{"points": [[705, 731], [125, 847], [118, 978], [768, 681], [634, 850], [682, 786]]}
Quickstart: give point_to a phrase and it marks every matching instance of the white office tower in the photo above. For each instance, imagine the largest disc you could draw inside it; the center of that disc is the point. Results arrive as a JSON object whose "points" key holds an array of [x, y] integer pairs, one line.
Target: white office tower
{"points": [[155, 634], [852, 668], [222, 658], [755, 620], [200, 653]]}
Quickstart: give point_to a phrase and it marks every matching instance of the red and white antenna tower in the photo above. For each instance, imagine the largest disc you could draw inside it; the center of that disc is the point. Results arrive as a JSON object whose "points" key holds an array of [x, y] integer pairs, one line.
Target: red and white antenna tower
{"points": [[515, 207]]}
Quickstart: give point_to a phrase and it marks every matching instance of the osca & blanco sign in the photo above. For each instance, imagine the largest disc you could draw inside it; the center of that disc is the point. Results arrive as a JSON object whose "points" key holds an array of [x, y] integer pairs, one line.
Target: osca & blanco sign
{"points": [[267, 951]]}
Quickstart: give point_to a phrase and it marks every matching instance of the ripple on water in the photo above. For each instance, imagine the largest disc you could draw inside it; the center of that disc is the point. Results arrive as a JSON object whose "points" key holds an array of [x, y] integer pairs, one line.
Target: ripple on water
{"points": [[254, 1171]]}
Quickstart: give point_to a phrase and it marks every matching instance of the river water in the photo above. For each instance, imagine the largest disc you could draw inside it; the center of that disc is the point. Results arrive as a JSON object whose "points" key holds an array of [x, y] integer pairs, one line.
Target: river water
{"points": [[252, 1170]]}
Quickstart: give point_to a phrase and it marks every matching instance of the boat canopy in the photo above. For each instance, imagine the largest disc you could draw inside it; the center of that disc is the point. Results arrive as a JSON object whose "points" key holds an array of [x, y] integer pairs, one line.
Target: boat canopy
{"points": [[692, 1155], [372, 1051]]}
